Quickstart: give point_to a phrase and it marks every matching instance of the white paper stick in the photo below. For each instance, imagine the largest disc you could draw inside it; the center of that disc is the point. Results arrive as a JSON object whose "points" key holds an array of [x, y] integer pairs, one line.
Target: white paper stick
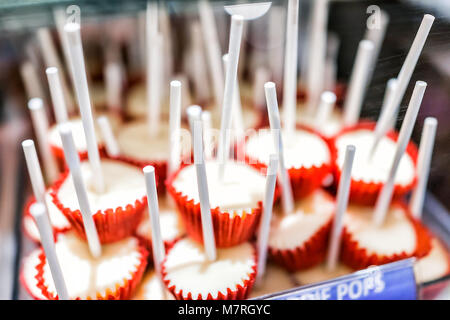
{"points": [[290, 68], [237, 117], [154, 83], [108, 136], [213, 51], [73, 161], [326, 106], [57, 93], [174, 126], [40, 215], [51, 59], [153, 211], [262, 75], [40, 124], [317, 53], [207, 134], [34, 170], [113, 80], [202, 182], [237, 24], [31, 81], [341, 208], [185, 91], [264, 226], [59, 15], [166, 30], [332, 49], [275, 126], [193, 113], [385, 196], [277, 14], [198, 68], [403, 78], [390, 86], [358, 82], [72, 31], [423, 166]]}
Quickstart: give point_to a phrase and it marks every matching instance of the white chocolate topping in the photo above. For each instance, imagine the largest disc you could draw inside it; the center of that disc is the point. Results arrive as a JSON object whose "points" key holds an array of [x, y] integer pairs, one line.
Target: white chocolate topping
{"points": [[188, 268], [124, 185], [301, 149], [434, 265], [57, 219], [396, 235], [151, 288], [294, 230], [86, 276], [377, 168], [242, 188]]}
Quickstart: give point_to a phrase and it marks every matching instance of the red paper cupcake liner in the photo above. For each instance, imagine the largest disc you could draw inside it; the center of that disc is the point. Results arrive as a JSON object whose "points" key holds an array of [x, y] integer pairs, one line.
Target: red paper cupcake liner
{"points": [[357, 257], [112, 224], [309, 254], [27, 215], [229, 229], [366, 193], [303, 180], [239, 292], [122, 291], [26, 285]]}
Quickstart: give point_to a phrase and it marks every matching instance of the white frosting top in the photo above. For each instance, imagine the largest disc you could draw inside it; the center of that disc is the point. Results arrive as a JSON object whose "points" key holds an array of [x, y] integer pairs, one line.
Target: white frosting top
{"points": [[78, 132], [396, 235], [152, 288], [29, 273], [329, 128], [320, 273], [170, 223], [137, 105], [301, 149], [242, 188], [134, 141], [377, 169], [293, 230], [57, 219], [188, 268], [124, 184], [275, 279], [434, 265], [86, 276]]}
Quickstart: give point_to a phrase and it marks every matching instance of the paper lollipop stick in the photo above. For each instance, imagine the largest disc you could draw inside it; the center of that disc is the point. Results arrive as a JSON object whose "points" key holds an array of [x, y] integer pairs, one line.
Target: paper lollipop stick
{"points": [[40, 214], [358, 82], [193, 113], [56, 91], [333, 43], [423, 166], [385, 196], [113, 80], [211, 39], [40, 124], [207, 136], [73, 162], [202, 182], [34, 170], [198, 68], [276, 14], [275, 126], [72, 31], [290, 68], [174, 126], [403, 79], [238, 119], [108, 136], [237, 24], [153, 210], [31, 80], [264, 226], [390, 86], [327, 101], [51, 59], [317, 53], [341, 208]]}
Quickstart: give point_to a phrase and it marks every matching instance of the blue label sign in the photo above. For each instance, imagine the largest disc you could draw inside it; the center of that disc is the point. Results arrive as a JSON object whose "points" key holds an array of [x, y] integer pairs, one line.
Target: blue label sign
{"points": [[393, 281]]}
